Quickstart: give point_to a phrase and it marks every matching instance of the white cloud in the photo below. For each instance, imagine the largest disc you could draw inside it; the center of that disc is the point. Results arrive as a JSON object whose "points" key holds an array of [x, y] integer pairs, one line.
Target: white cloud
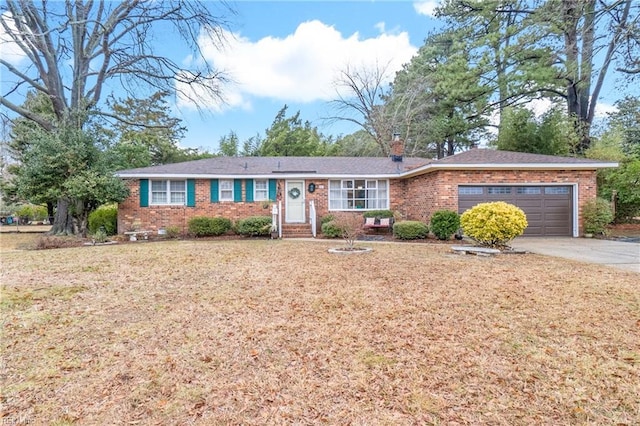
{"points": [[9, 50], [539, 106], [302, 66], [603, 110], [426, 7]]}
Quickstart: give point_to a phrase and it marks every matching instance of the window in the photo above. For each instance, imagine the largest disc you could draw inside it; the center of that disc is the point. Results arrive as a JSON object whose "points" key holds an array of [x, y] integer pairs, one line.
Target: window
{"points": [[531, 190], [469, 190], [261, 190], [358, 194], [168, 192], [498, 190], [226, 190], [556, 190]]}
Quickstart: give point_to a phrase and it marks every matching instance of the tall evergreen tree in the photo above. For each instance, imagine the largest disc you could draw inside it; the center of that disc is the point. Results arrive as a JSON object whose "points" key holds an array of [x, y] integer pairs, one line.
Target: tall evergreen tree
{"points": [[438, 100], [289, 136]]}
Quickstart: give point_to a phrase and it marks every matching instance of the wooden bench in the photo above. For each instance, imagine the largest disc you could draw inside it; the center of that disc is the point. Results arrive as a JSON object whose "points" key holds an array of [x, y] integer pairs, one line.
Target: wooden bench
{"points": [[133, 235], [479, 251], [378, 223]]}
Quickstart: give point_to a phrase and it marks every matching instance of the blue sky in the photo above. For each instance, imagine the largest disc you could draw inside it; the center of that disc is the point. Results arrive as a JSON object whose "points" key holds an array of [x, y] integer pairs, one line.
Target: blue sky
{"points": [[289, 52]]}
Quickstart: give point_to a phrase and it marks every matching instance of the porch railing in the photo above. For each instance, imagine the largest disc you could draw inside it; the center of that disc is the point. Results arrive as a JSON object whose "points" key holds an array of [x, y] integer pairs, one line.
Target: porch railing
{"points": [[312, 217]]}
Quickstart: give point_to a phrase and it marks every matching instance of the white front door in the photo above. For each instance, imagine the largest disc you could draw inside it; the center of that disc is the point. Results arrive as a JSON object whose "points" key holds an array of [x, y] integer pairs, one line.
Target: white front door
{"points": [[295, 201]]}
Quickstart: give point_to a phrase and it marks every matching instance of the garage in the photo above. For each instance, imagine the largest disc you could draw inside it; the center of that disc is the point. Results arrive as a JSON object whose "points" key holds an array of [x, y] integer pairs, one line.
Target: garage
{"points": [[548, 208]]}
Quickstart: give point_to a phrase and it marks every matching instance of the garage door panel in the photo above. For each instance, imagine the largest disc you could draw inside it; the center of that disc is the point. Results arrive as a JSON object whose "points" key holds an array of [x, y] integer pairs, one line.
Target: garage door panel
{"points": [[534, 217], [528, 203], [548, 208]]}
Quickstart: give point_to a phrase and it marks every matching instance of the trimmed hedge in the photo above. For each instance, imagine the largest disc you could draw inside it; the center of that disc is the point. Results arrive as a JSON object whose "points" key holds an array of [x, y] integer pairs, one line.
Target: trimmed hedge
{"points": [[106, 217], [444, 223], [254, 226], [208, 226], [410, 230]]}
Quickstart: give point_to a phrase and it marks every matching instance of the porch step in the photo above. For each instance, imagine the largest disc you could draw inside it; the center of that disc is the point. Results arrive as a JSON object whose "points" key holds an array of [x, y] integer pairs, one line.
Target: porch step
{"points": [[302, 230]]}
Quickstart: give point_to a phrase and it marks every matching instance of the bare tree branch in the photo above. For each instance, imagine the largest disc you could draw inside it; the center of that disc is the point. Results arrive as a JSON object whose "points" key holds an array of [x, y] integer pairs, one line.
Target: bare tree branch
{"points": [[109, 40]]}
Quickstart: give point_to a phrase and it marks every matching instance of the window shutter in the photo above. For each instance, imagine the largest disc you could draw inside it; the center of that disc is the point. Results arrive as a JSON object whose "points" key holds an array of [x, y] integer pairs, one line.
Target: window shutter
{"points": [[248, 187], [191, 192], [215, 193], [272, 189], [237, 190], [144, 192]]}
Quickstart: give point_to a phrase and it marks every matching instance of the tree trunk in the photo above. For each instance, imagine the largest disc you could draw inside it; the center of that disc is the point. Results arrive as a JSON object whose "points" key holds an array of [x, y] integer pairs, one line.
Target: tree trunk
{"points": [[63, 219]]}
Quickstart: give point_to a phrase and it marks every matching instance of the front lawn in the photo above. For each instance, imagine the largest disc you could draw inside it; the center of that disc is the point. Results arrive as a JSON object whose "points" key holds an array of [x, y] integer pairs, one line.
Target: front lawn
{"points": [[283, 332]]}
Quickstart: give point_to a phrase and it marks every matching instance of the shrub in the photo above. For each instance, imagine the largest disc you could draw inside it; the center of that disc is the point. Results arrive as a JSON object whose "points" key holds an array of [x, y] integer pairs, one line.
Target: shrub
{"points": [[47, 242], [410, 230], [493, 224], [100, 236], [254, 226], [444, 223], [596, 215], [105, 217], [201, 226], [172, 232], [326, 219], [378, 213], [331, 229], [32, 212]]}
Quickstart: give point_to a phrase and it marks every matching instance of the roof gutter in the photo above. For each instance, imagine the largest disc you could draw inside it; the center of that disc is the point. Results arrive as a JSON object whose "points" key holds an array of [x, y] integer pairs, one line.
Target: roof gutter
{"points": [[256, 176]]}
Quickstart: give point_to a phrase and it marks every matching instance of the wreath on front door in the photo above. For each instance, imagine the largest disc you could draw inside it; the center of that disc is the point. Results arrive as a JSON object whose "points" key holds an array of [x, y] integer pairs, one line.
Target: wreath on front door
{"points": [[294, 193]]}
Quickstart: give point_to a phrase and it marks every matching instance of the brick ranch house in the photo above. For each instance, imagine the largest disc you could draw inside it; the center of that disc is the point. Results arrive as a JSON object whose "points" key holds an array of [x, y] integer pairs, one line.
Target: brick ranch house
{"points": [[551, 190]]}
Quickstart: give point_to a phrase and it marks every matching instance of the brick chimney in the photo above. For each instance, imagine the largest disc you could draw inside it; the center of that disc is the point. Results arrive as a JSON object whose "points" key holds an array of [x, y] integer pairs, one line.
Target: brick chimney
{"points": [[397, 148]]}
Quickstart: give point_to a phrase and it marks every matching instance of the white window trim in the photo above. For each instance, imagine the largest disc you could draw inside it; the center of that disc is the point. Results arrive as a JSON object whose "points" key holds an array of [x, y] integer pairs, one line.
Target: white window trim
{"points": [[168, 192], [220, 189], [387, 201], [265, 190]]}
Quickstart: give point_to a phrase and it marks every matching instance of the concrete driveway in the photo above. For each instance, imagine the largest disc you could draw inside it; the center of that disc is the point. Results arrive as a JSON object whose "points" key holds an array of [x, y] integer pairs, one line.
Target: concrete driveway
{"points": [[618, 254]]}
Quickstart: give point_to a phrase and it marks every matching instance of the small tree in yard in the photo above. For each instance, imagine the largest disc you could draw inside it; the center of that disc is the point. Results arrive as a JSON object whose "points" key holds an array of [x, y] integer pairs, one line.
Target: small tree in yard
{"points": [[350, 226]]}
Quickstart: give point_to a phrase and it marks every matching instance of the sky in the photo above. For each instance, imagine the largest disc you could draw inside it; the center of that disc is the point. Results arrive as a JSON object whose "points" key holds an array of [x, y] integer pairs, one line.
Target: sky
{"points": [[291, 53]]}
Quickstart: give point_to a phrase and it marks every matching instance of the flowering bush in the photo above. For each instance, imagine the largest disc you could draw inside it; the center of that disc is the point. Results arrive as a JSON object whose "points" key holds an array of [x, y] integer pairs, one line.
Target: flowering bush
{"points": [[493, 224]]}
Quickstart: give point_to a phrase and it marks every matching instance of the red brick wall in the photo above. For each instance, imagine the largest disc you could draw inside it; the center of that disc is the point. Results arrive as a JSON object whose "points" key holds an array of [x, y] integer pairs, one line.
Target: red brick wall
{"points": [[414, 199], [132, 216], [428, 193]]}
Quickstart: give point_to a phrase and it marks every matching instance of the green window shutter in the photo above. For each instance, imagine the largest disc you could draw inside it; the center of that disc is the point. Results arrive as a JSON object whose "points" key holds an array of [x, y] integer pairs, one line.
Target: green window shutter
{"points": [[248, 187], [215, 193], [272, 189], [191, 192], [144, 192], [237, 190]]}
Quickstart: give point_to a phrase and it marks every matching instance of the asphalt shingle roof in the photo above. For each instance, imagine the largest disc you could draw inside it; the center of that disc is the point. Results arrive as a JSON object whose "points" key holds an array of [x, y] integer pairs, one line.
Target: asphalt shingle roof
{"points": [[248, 166], [492, 156], [353, 166]]}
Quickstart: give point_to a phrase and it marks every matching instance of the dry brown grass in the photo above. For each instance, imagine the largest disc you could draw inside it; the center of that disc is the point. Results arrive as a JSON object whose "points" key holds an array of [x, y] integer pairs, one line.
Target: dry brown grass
{"points": [[282, 332]]}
